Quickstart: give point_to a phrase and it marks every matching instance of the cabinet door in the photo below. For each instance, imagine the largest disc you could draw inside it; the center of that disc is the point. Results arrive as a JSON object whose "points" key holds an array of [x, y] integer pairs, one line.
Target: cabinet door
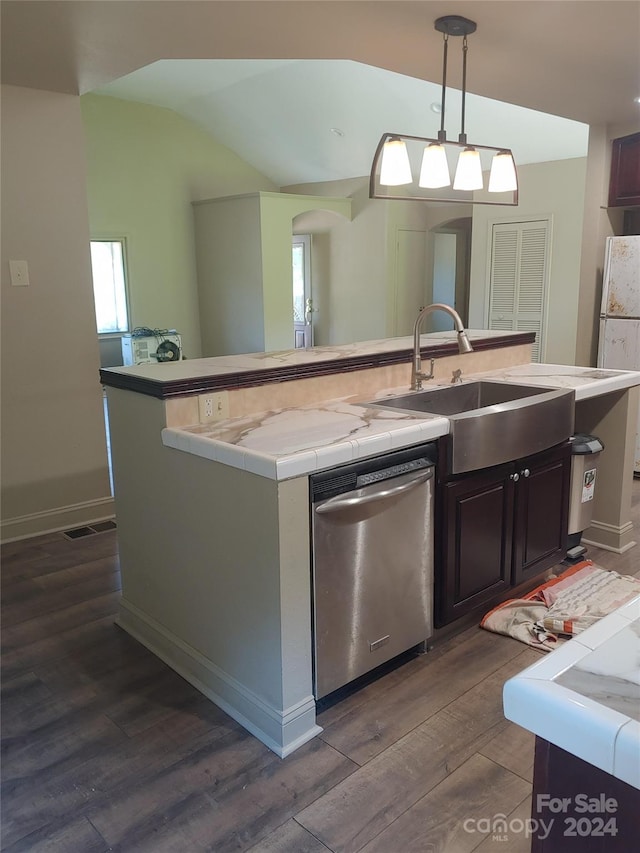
{"points": [[542, 510], [624, 185], [476, 543]]}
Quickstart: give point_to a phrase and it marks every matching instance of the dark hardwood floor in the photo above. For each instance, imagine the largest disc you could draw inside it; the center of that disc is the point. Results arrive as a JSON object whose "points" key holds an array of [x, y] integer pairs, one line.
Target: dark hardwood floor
{"points": [[106, 749]]}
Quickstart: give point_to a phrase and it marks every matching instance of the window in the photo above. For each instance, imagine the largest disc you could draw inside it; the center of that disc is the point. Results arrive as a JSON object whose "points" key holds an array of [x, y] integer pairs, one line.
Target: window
{"points": [[109, 285]]}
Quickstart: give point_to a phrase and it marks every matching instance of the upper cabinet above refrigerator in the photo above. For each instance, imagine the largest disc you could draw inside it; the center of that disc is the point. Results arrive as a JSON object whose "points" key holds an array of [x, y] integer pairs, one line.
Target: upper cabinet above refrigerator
{"points": [[624, 184]]}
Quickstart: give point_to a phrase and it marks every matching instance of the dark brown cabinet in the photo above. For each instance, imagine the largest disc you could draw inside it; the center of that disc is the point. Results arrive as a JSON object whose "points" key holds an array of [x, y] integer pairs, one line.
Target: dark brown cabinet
{"points": [[499, 528], [542, 512], [559, 776], [624, 184]]}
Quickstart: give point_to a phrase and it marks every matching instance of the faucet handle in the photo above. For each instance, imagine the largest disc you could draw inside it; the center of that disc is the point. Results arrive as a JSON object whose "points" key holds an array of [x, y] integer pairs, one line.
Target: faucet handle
{"points": [[457, 377], [417, 376]]}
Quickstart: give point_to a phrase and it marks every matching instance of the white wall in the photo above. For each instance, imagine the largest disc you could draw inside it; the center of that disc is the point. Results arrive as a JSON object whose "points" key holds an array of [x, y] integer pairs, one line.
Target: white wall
{"points": [[243, 247], [357, 262], [352, 258], [54, 463], [546, 189], [229, 263]]}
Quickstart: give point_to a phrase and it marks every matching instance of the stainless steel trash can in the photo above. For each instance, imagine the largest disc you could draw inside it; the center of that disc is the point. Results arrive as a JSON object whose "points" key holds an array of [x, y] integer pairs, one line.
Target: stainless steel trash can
{"points": [[585, 455]]}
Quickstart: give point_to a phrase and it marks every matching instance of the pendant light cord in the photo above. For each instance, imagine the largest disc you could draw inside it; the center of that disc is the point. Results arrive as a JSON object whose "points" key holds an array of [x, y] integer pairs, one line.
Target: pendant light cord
{"points": [[463, 136], [442, 135]]}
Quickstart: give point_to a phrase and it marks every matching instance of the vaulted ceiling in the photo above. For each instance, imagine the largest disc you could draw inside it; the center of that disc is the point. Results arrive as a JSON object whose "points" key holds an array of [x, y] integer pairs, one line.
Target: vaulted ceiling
{"points": [[303, 121], [575, 60]]}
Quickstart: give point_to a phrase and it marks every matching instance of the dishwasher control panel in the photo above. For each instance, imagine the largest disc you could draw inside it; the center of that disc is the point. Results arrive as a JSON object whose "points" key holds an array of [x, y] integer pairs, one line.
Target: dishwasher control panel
{"points": [[356, 475], [392, 471]]}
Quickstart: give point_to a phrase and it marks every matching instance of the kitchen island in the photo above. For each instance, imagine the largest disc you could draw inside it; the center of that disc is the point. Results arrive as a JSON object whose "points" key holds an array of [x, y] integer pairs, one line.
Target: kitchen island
{"points": [[213, 517], [582, 702]]}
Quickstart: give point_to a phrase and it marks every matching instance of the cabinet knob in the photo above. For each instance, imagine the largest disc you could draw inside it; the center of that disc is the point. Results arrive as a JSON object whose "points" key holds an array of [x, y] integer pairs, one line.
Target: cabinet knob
{"points": [[515, 477], [526, 472]]}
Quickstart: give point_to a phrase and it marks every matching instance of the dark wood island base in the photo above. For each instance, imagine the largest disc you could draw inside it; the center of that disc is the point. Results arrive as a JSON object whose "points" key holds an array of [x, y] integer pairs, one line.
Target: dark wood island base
{"points": [[578, 807]]}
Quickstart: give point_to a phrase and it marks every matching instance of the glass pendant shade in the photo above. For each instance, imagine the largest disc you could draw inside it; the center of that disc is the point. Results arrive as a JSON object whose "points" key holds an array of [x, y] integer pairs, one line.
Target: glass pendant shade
{"points": [[503, 173], [426, 182], [395, 169], [469, 170], [434, 172]]}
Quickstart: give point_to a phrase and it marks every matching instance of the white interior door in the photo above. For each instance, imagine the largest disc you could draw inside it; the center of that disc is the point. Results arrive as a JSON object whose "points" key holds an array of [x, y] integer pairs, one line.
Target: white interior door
{"points": [[302, 298], [519, 279]]}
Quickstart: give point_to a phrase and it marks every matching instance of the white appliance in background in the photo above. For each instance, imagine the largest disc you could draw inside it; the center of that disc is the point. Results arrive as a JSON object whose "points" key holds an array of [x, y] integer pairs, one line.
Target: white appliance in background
{"points": [[619, 341], [162, 346]]}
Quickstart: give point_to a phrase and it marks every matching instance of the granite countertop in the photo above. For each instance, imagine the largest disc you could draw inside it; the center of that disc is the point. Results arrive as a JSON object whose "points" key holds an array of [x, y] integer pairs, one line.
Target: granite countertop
{"points": [[263, 362], [584, 697], [291, 442]]}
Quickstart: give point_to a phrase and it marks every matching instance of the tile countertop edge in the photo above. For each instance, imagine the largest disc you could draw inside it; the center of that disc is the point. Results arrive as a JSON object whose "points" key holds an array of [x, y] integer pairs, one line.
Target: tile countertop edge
{"points": [[619, 383], [570, 721], [566, 376], [297, 464], [284, 466], [578, 724]]}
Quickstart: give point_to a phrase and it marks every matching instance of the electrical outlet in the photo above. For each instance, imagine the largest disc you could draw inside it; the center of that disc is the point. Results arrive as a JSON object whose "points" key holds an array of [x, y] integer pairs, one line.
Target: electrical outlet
{"points": [[213, 407], [19, 272]]}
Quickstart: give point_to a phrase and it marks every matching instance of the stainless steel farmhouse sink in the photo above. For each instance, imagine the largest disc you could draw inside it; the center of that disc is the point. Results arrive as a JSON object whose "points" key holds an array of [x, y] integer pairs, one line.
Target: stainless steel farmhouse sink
{"points": [[492, 422]]}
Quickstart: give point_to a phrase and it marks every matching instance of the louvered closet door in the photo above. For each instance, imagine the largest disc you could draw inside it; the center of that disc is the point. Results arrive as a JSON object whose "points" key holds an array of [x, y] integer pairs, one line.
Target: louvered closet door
{"points": [[519, 279]]}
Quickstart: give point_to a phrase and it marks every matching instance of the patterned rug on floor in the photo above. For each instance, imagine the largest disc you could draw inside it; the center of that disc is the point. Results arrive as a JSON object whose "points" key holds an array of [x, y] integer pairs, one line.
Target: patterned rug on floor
{"points": [[562, 607]]}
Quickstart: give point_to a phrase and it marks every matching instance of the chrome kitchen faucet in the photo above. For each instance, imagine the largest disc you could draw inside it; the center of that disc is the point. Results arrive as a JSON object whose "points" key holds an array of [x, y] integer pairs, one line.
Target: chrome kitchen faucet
{"points": [[463, 342]]}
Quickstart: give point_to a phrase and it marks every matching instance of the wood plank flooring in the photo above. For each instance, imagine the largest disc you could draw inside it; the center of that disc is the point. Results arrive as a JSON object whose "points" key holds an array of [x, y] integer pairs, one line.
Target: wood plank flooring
{"points": [[104, 748]]}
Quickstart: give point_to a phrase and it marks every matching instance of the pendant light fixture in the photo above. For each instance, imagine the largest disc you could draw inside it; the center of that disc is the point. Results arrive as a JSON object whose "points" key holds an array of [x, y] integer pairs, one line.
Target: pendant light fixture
{"points": [[395, 170], [434, 172], [503, 173], [469, 169], [414, 167]]}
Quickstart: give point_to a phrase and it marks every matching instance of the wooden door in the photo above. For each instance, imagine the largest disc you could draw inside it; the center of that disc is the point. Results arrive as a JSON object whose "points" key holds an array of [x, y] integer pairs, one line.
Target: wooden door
{"points": [[542, 512], [624, 184], [474, 564]]}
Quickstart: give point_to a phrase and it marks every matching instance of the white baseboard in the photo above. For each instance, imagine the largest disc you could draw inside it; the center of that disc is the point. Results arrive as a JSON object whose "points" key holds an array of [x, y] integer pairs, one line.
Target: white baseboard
{"points": [[54, 520], [283, 731], [609, 537]]}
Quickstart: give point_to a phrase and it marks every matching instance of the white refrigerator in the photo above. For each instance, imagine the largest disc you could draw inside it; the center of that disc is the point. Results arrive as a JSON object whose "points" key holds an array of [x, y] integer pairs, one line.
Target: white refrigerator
{"points": [[619, 341]]}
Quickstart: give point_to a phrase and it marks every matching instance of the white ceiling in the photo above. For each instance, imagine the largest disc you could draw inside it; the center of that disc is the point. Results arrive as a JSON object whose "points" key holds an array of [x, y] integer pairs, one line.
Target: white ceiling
{"points": [[578, 59], [279, 115]]}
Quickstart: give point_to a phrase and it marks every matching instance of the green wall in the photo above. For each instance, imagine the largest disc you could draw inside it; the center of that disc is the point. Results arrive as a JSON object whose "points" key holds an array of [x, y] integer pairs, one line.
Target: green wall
{"points": [[145, 165]]}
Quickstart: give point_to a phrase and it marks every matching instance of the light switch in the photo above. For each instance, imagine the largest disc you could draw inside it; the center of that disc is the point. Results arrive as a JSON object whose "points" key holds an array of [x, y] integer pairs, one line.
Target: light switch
{"points": [[19, 271]]}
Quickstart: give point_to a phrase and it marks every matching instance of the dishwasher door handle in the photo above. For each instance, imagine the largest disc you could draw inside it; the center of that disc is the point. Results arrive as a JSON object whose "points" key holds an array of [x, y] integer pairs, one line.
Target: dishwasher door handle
{"points": [[381, 493]]}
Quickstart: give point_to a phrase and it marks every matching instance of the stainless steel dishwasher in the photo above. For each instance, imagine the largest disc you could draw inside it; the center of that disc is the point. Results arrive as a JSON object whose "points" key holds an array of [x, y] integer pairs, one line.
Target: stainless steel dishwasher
{"points": [[372, 533]]}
